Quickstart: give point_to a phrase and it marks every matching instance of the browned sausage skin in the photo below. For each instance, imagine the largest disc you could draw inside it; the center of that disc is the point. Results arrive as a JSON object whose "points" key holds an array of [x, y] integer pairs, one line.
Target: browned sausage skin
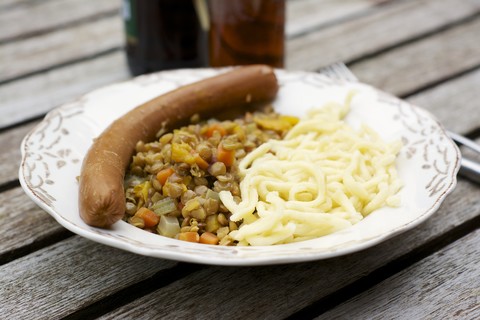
{"points": [[101, 191]]}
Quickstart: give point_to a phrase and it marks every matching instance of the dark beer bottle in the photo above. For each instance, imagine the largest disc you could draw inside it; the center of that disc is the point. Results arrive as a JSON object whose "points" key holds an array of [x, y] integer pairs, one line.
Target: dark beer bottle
{"points": [[163, 34]]}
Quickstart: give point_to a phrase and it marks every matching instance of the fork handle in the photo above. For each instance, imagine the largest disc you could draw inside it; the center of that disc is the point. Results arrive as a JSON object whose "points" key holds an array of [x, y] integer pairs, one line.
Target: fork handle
{"points": [[470, 169], [465, 141]]}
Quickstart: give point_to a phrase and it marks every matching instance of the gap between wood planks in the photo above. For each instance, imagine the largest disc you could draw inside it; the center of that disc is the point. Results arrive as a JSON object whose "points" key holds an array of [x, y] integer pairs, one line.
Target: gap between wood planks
{"points": [[473, 134], [14, 4], [61, 26], [348, 17], [351, 290], [441, 81], [168, 276], [116, 11], [181, 270], [22, 123], [8, 186], [355, 16], [17, 253], [63, 64], [414, 39], [119, 48], [140, 289]]}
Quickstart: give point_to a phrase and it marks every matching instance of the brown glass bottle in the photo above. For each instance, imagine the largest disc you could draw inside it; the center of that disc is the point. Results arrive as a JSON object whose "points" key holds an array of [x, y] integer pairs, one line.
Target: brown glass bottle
{"points": [[163, 34], [246, 32]]}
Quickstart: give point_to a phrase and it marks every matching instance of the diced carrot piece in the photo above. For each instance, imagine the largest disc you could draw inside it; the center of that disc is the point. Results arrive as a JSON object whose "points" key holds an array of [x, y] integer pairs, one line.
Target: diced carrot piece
{"points": [[189, 236], [208, 238], [201, 162], [163, 175], [149, 217], [216, 127], [225, 156]]}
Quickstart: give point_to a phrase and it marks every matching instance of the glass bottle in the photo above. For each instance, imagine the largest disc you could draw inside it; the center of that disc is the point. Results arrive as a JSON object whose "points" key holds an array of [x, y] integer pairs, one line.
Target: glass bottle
{"points": [[163, 34]]}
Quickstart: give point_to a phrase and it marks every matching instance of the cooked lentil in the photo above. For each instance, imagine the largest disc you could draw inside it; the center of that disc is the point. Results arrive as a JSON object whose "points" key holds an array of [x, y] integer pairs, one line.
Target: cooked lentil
{"points": [[178, 176]]}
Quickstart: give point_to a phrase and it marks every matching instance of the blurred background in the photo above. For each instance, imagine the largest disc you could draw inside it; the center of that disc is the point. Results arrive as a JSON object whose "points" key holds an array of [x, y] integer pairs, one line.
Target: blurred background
{"points": [[80, 45]]}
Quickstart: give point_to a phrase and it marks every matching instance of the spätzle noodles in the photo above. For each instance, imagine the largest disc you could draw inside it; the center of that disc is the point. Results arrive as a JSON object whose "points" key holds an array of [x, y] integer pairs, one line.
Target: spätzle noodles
{"points": [[324, 176]]}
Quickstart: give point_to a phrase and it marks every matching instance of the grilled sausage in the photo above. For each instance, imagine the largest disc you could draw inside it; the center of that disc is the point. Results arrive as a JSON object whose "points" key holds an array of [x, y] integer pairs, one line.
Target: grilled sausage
{"points": [[101, 189]]}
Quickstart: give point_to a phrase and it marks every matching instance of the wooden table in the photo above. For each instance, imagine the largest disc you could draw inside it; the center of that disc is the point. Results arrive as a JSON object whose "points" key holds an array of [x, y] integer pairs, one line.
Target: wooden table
{"points": [[425, 51]]}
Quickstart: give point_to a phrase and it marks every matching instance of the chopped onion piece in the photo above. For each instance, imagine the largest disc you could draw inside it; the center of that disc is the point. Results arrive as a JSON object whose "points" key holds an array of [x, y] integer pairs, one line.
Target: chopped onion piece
{"points": [[168, 226]]}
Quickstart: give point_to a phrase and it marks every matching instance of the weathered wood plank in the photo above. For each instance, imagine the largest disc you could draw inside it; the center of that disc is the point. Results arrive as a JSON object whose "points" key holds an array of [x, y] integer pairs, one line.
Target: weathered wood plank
{"points": [[106, 270], [323, 277], [36, 17], [50, 49], [44, 89], [7, 4], [443, 286], [381, 29], [454, 103], [41, 16], [61, 46], [276, 291], [22, 221], [422, 63], [306, 15], [38, 94], [67, 276], [10, 158]]}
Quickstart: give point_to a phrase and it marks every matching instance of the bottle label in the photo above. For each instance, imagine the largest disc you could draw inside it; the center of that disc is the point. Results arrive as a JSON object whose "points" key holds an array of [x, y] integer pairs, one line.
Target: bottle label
{"points": [[130, 21]]}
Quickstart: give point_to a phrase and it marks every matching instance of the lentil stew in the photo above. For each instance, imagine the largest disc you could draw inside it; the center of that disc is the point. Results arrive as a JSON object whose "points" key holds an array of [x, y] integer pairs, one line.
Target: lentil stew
{"points": [[172, 184]]}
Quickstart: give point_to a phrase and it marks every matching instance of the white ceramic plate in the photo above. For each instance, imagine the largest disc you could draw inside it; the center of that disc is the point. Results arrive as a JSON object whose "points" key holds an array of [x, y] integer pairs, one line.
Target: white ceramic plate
{"points": [[52, 154]]}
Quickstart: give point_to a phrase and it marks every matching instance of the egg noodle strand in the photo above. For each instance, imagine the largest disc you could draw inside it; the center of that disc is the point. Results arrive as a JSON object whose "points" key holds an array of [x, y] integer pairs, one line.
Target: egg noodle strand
{"points": [[322, 177]]}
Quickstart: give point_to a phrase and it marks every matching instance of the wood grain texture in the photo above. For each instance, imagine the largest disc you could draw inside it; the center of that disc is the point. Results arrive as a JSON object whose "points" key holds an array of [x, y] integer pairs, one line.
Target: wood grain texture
{"points": [[77, 41], [50, 89], [383, 28], [344, 42], [66, 45], [323, 277], [22, 221], [78, 78], [456, 103], [273, 292], [67, 276], [428, 61], [9, 4], [306, 15], [43, 16], [10, 158], [443, 286]]}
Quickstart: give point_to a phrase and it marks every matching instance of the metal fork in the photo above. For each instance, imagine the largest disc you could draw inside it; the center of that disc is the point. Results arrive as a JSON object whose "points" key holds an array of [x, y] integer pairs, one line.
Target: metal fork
{"points": [[468, 169]]}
